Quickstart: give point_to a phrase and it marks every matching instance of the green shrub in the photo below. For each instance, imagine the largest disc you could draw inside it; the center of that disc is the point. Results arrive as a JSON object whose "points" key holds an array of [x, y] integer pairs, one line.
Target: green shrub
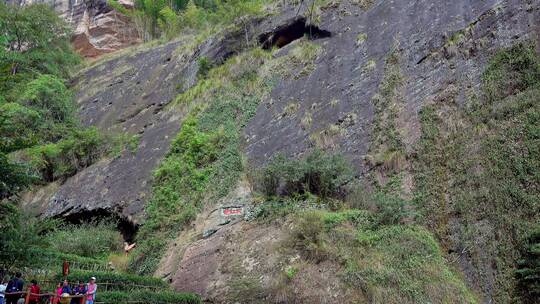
{"points": [[80, 149], [92, 239], [144, 296], [13, 176], [317, 173], [21, 233], [307, 236], [510, 71], [18, 127], [402, 264], [116, 281], [48, 95]]}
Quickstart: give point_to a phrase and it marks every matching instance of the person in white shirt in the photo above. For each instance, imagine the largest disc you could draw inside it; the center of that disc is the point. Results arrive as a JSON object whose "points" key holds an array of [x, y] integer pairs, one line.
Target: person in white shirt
{"points": [[3, 287]]}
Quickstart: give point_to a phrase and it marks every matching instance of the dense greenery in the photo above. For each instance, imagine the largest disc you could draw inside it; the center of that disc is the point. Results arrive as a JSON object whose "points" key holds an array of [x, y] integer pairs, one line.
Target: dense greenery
{"points": [[121, 281], [92, 239], [169, 18], [41, 139], [20, 234], [149, 297]]}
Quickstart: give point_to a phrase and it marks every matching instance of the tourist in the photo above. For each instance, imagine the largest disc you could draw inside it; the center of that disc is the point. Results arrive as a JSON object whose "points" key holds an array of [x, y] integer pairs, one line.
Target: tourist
{"points": [[79, 289], [58, 293], [3, 287], [34, 292], [16, 284], [65, 288], [91, 288]]}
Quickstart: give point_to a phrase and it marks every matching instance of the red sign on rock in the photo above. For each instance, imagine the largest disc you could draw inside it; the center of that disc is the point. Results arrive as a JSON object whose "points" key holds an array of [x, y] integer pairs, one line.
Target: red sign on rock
{"points": [[232, 211]]}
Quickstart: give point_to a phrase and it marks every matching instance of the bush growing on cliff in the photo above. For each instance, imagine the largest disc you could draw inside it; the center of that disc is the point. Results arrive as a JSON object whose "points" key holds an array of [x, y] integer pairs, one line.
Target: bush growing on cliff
{"points": [[317, 173]]}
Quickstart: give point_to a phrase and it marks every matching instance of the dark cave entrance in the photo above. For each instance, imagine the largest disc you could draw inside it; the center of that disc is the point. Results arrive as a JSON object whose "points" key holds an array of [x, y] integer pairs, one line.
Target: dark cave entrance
{"points": [[290, 32], [124, 226]]}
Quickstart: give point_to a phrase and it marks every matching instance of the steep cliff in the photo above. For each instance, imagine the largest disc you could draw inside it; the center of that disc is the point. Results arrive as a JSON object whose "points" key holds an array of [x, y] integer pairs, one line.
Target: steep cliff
{"points": [[97, 28], [369, 79]]}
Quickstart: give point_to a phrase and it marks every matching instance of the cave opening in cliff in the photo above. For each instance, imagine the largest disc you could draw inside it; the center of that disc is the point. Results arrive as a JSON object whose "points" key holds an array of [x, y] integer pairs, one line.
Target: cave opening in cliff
{"points": [[127, 228], [290, 32]]}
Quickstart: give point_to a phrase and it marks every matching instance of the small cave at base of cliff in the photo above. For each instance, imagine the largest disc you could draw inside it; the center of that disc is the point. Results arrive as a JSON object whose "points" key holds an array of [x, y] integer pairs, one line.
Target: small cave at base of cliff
{"points": [[290, 32], [127, 229]]}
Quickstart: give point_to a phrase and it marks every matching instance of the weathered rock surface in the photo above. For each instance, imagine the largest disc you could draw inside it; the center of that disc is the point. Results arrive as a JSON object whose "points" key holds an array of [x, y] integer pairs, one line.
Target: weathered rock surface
{"points": [[131, 93], [98, 29], [337, 95]]}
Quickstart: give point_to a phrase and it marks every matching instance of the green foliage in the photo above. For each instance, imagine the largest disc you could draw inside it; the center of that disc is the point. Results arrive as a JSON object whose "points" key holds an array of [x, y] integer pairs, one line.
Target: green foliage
{"points": [[34, 41], [117, 281], [511, 71], [528, 270], [389, 208], [161, 18], [290, 271], [146, 296], [18, 126], [204, 67], [20, 233], [317, 173], [403, 264], [62, 159], [482, 165], [13, 176], [93, 239], [48, 95], [390, 264]]}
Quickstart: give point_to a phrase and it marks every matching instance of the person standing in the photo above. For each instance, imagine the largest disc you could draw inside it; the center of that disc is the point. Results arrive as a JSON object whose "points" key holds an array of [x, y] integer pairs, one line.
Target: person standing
{"points": [[34, 292], [79, 290], [16, 284], [58, 292], [91, 288], [3, 287]]}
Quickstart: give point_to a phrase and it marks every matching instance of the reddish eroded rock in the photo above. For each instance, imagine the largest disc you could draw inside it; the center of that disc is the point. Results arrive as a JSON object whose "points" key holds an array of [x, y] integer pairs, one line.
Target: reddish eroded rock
{"points": [[103, 33]]}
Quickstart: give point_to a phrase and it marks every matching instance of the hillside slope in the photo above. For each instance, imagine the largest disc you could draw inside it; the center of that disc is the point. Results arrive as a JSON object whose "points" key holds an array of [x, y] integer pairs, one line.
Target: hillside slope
{"points": [[421, 98]]}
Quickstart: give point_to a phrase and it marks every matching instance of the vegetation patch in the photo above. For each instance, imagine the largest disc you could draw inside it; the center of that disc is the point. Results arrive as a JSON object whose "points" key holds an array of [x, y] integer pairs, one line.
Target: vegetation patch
{"points": [[483, 171], [204, 161], [316, 173], [150, 297], [389, 263], [93, 239]]}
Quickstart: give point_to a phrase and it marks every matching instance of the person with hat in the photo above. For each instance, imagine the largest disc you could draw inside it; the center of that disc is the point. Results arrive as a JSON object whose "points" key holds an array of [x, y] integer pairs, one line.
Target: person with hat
{"points": [[91, 288]]}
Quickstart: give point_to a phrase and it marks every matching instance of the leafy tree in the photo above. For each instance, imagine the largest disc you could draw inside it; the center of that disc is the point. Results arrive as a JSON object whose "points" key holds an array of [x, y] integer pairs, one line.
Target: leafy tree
{"points": [[33, 40], [18, 125], [20, 233], [49, 96], [13, 176]]}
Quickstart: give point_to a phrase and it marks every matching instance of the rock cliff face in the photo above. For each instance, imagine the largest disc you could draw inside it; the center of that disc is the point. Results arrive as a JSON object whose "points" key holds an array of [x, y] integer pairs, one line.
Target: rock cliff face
{"points": [[330, 105], [98, 29]]}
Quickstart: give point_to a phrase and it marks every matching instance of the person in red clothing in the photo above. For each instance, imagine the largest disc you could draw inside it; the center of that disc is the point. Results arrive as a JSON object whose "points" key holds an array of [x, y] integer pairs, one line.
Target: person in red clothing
{"points": [[34, 291]]}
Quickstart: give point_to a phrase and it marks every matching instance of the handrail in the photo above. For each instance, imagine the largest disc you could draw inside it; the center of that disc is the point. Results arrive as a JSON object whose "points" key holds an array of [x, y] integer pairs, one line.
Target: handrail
{"points": [[47, 294]]}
